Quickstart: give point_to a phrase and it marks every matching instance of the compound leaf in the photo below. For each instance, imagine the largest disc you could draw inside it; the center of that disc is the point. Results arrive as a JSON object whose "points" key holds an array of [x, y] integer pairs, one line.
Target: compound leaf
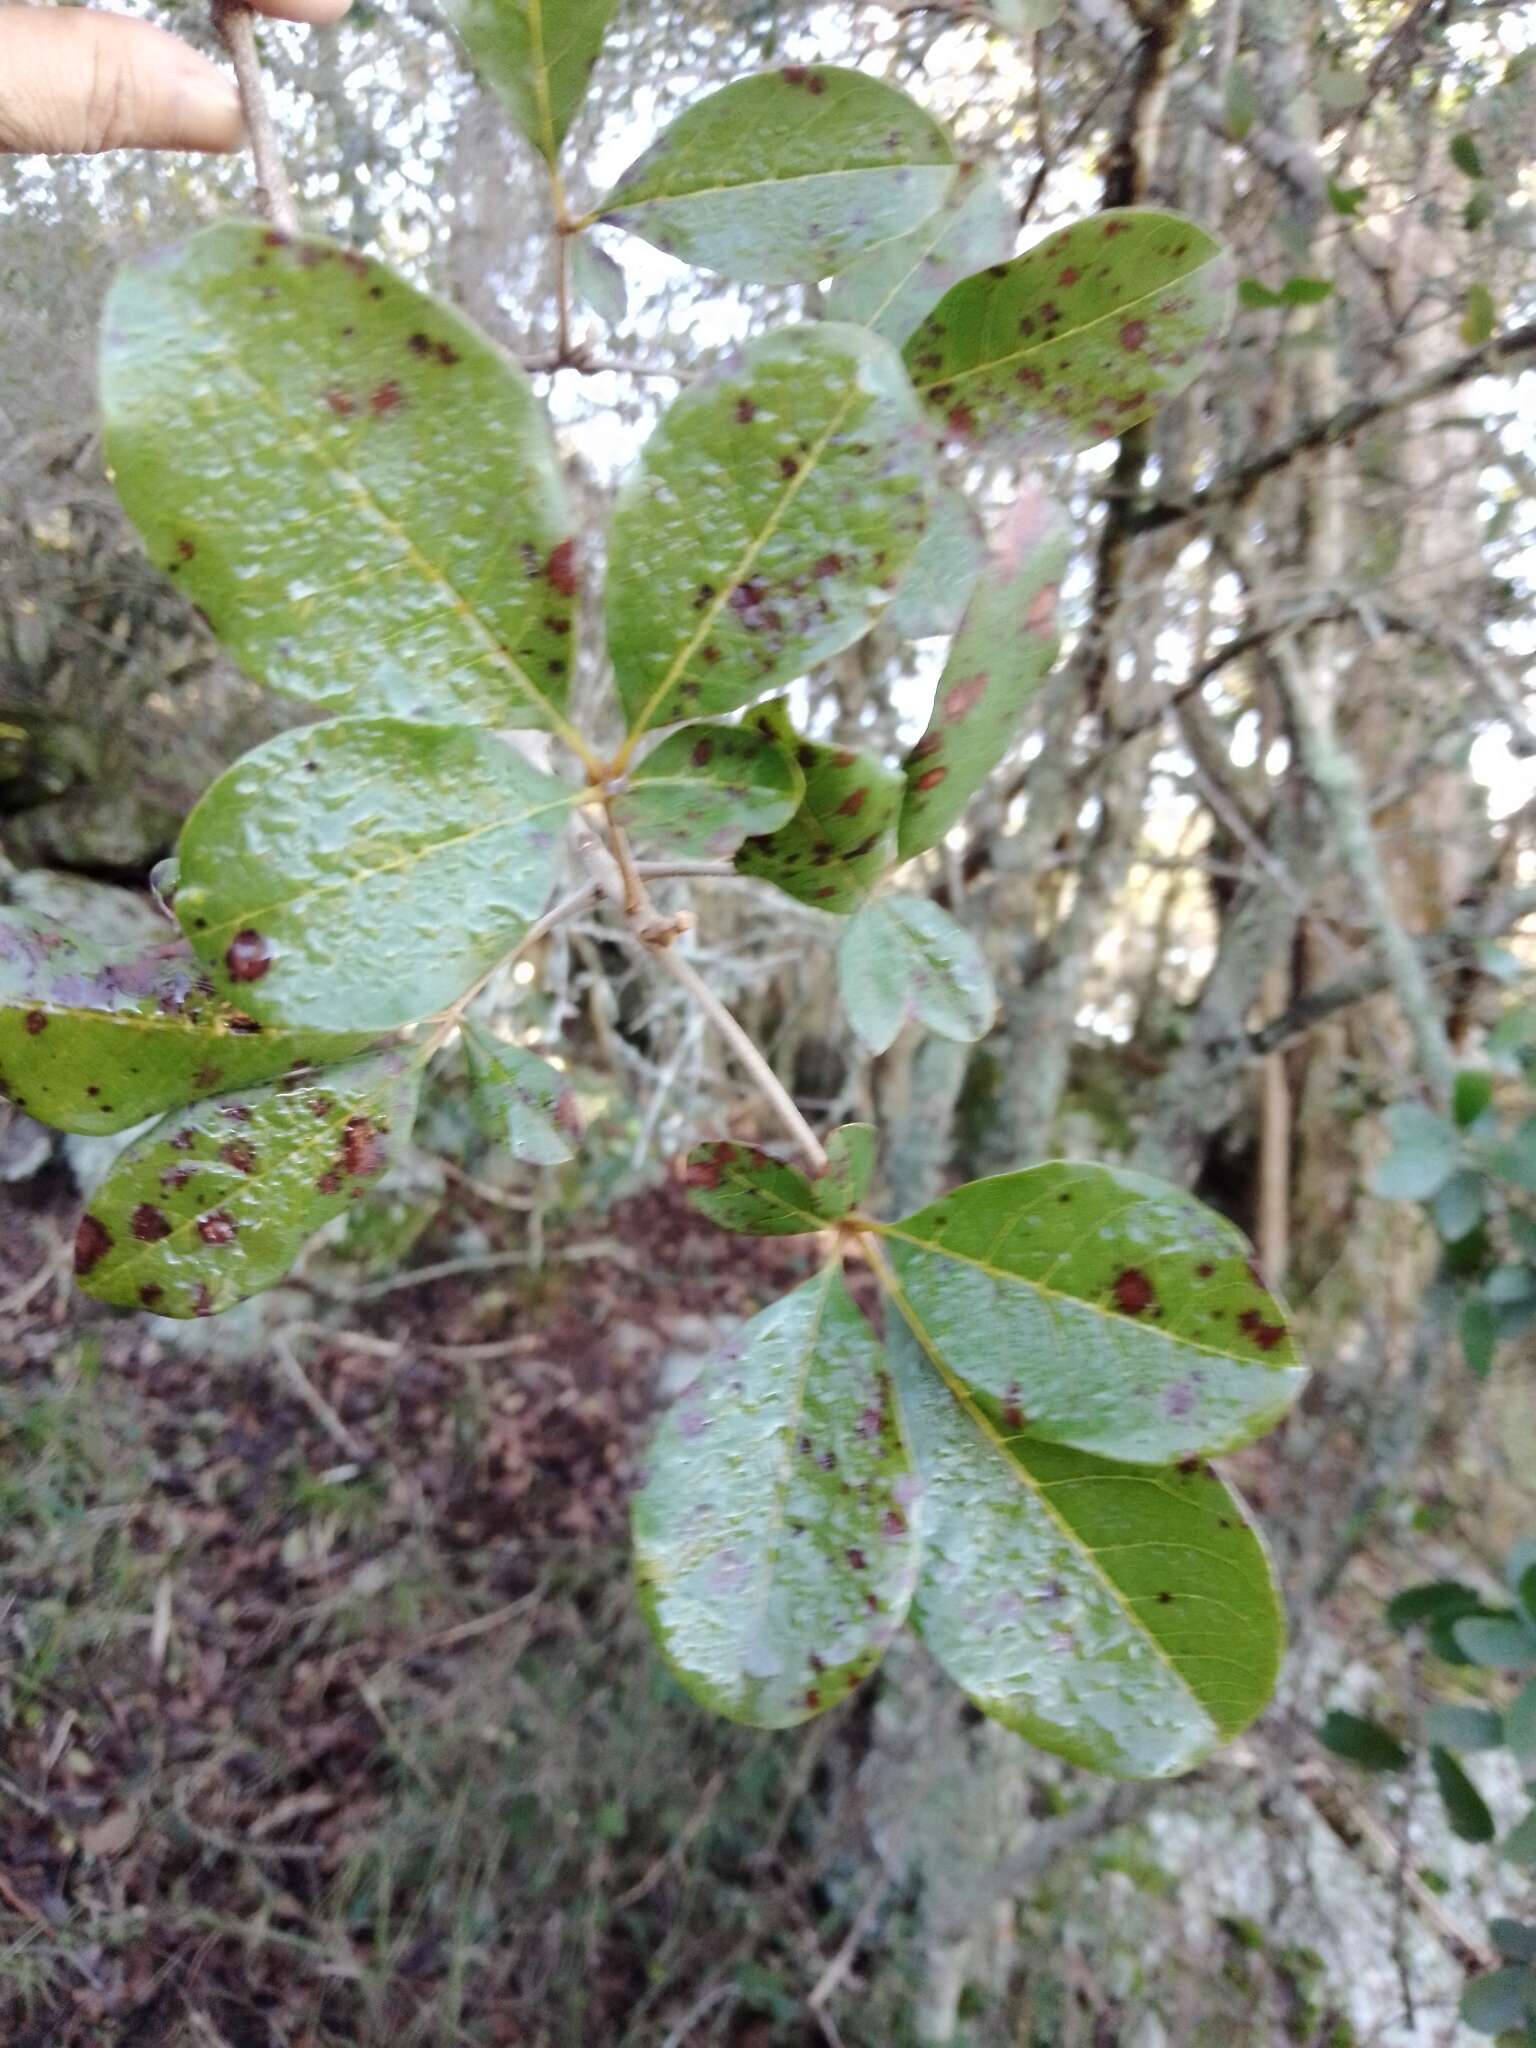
{"points": [[366, 872], [774, 1533], [520, 1100], [355, 487], [536, 56], [741, 1187], [1084, 335], [216, 1202], [842, 838], [1096, 1307], [787, 175], [705, 788], [774, 512], [895, 286], [1123, 1617], [903, 957]]}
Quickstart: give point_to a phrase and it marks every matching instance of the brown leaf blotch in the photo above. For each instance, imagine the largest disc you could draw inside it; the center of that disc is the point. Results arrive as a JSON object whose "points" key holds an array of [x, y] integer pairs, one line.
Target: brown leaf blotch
{"points": [[93, 1241], [149, 1224], [246, 957]]}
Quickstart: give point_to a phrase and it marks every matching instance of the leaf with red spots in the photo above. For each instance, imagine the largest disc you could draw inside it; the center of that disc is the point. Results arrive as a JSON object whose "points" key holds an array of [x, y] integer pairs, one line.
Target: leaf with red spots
{"points": [[376, 867], [776, 1531], [774, 512], [842, 838], [214, 1203], [383, 540], [741, 1187], [1005, 648], [1092, 1306], [1080, 338], [1124, 1617], [520, 1100], [788, 175], [705, 788], [894, 286], [536, 56], [95, 1037], [903, 957]]}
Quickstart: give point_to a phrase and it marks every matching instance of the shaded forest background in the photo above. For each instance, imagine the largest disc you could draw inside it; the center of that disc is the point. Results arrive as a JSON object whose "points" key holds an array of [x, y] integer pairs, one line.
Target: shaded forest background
{"points": [[325, 1714]]}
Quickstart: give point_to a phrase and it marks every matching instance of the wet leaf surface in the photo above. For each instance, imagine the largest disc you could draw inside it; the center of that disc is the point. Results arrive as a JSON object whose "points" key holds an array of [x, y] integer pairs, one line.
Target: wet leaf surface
{"points": [[1081, 337], [786, 175], [707, 787], [367, 871], [1092, 1306], [1006, 646], [1122, 1617], [521, 1100], [774, 512], [354, 486], [741, 1187], [536, 56], [216, 1202], [95, 1037], [774, 1534], [894, 287], [842, 838], [903, 957]]}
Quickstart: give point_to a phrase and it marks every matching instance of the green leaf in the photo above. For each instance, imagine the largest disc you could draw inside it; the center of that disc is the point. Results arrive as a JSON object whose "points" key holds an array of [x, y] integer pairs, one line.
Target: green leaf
{"points": [[787, 175], [774, 512], [937, 587], [1296, 291], [1424, 1154], [1005, 648], [1478, 209], [368, 871], [774, 1537], [1510, 1284], [1478, 321], [1520, 1723], [741, 1187], [1347, 199], [97, 1037], [1519, 1845], [1520, 1571], [216, 1202], [1478, 1328], [599, 279], [1471, 1095], [1086, 334], [1465, 1807], [536, 56], [842, 838], [1241, 102], [1514, 1939], [1498, 1999], [1362, 1741], [356, 488], [1466, 156], [1457, 1204], [705, 788], [1096, 1307], [1025, 17], [1464, 1727], [903, 957], [520, 1100], [1122, 1617], [1341, 88], [1500, 1641], [896, 286], [1516, 1161], [1437, 1599]]}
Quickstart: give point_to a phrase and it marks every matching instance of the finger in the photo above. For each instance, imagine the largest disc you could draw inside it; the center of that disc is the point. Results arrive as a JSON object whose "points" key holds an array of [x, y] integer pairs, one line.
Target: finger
{"points": [[73, 80], [318, 13]]}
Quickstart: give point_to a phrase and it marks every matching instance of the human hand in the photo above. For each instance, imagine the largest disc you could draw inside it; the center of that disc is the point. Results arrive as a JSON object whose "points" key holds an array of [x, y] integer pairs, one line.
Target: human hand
{"points": [[75, 80]]}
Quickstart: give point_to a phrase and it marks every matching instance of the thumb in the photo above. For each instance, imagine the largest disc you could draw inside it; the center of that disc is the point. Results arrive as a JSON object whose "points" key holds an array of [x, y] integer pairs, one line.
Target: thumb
{"points": [[73, 80]]}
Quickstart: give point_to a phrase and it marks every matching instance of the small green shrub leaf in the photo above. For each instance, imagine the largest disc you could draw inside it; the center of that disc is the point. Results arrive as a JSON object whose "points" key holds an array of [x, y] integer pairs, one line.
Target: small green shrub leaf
{"points": [[1457, 1204], [895, 286], [216, 1202], [1466, 156], [1464, 1727], [1241, 102], [1514, 1939], [1123, 1617], [841, 839], [903, 957], [1424, 1154], [705, 788], [1498, 1999], [1093, 1306], [536, 56], [1478, 320], [787, 175], [1520, 1723], [775, 1536], [937, 587], [521, 1100], [1436, 1599], [1519, 1845], [1501, 1642], [1478, 1328], [1081, 337], [1362, 1741], [1465, 1807], [97, 1037], [366, 872], [1004, 650], [775, 510], [393, 536], [741, 1187]]}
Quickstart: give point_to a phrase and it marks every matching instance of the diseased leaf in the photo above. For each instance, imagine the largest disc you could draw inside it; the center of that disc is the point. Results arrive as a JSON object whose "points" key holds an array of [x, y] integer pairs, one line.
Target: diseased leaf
{"points": [[741, 1187], [1122, 1617], [216, 1202], [521, 1100], [774, 1534], [368, 871], [391, 534], [937, 587], [842, 838], [903, 957], [1465, 1807], [536, 56], [775, 510], [1082, 336], [787, 175], [1362, 1741], [1005, 648], [1093, 1306], [705, 788], [96, 1037], [895, 286]]}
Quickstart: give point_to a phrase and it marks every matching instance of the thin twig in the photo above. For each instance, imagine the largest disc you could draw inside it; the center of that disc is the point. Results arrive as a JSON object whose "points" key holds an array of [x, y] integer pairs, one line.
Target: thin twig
{"points": [[274, 195], [317, 1404]]}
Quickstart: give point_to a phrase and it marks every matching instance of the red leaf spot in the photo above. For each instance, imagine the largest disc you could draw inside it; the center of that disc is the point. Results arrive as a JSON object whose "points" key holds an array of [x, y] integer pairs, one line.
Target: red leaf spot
{"points": [[1115, 227], [702, 750], [798, 75], [856, 1559], [1042, 610], [149, 1223], [274, 238], [961, 420], [329, 1182], [445, 355], [218, 1227], [340, 402], [1204, 1270], [894, 1522], [702, 1173], [1133, 334], [1133, 1291], [746, 412], [183, 1141], [93, 1241], [930, 778], [827, 565], [239, 1155], [185, 549], [36, 1022], [561, 568], [1070, 275], [964, 696], [361, 1152], [1265, 1335], [813, 1699], [151, 1293], [247, 958], [202, 1302], [788, 468], [419, 344], [385, 397], [852, 804]]}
